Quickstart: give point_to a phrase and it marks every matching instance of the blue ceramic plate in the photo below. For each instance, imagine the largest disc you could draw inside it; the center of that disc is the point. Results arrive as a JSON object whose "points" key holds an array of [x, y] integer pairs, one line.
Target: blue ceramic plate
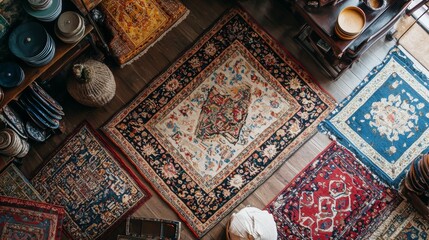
{"points": [[36, 117], [42, 107], [11, 74], [45, 59], [14, 121], [28, 40], [42, 101], [40, 92], [35, 132], [46, 15], [40, 116]]}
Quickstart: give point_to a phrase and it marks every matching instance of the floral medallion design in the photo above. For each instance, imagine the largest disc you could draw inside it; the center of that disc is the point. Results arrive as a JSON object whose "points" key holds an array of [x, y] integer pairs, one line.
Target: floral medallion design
{"points": [[210, 126], [91, 183], [334, 197], [224, 114], [385, 120], [220, 120], [393, 117]]}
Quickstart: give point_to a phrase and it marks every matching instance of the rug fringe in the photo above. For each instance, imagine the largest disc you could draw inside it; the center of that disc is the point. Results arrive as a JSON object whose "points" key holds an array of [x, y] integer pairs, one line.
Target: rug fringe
{"points": [[159, 39]]}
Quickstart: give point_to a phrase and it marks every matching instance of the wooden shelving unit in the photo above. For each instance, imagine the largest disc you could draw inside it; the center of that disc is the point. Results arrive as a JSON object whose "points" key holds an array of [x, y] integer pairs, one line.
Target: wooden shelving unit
{"points": [[64, 53], [32, 73]]}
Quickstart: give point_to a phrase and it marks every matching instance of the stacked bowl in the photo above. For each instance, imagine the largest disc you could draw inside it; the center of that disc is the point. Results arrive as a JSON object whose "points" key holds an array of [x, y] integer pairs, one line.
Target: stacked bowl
{"points": [[350, 23], [12, 145], [70, 27], [31, 43], [40, 5], [417, 178], [43, 10]]}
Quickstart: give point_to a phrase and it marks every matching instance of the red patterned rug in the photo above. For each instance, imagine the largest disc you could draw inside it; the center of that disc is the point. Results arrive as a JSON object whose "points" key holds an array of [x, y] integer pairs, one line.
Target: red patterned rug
{"points": [[220, 120], [334, 197], [25, 219], [91, 183]]}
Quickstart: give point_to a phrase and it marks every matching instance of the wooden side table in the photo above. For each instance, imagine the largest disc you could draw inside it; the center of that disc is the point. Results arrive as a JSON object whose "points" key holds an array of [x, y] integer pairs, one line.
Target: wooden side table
{"points": [[333, 54]]}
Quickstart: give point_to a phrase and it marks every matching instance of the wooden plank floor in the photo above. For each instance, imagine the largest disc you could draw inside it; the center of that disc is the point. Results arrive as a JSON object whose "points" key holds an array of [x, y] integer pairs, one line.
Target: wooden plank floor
{"points": [[277, 19]]}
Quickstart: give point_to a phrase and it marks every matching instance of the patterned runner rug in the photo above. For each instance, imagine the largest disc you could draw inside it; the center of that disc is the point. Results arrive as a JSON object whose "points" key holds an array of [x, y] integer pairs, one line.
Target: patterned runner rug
{"points": [[385, 120], [25, 219], [334, 197], [91, 183], [403, 223], [220, 120], [14, 184], [137, 25]]}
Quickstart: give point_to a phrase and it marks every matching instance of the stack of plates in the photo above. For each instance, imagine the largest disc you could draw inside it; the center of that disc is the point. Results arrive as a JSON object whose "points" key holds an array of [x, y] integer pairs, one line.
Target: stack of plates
{"points": [[70, 27], [417, 179], [31, 43], [13, 121], [41, 107], [12, 145], [11, 74], [350, 23], [43, 12], [40, 5]]}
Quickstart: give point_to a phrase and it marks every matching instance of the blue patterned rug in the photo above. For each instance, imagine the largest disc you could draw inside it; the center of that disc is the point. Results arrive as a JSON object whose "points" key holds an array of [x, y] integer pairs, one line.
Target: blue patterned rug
{"points": [[91, 182], [385, 120]]}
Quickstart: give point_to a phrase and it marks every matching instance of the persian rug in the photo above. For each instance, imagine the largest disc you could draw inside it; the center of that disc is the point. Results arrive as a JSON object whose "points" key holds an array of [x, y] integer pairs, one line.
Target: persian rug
{"points": [[91, 183], [220, 120], [385, 120], [25, 219], [14, 184], [334, 197], [403, 223], [136, 25]]}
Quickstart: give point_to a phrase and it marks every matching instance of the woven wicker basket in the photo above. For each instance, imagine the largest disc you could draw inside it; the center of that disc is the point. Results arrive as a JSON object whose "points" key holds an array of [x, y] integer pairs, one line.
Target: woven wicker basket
{"points": [[92, 83]]}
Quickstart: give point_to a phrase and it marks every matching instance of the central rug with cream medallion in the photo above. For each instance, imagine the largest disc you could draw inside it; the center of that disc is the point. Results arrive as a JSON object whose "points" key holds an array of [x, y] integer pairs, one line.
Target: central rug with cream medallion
{"points": [[220, 120]]}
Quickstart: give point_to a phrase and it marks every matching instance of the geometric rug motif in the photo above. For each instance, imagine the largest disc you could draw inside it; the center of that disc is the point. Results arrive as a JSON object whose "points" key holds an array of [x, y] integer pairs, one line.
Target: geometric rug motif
{"points": [[91, 183], [385, 121], [136, 25], [334, 197], [14, 184], [220, 120], [24, 219], [403, 223]]}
